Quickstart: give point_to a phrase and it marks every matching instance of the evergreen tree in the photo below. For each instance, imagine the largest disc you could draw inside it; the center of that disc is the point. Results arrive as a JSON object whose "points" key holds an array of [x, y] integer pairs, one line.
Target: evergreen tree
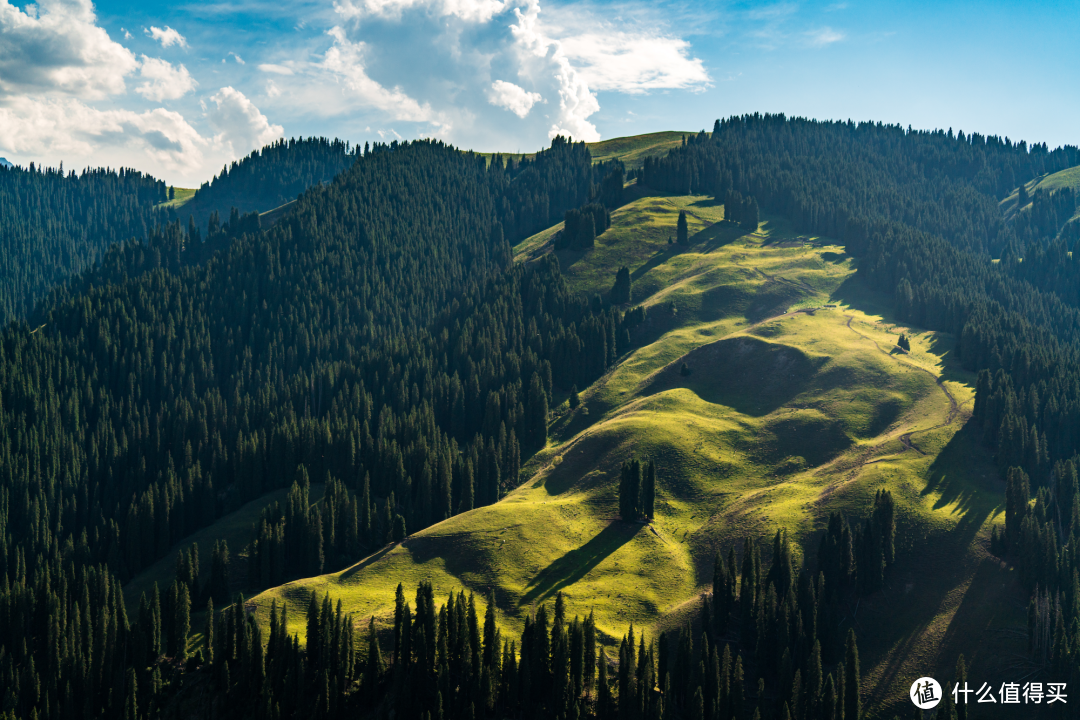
{"points": [[621, 292], [182, 622], [682, 233], [852, 679]]}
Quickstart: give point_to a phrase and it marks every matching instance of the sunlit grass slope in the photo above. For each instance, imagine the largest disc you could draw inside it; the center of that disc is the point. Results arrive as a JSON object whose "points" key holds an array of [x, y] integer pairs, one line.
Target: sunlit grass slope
{"points": [[180, 197], [634, 149], [1052, 182], [796, 403]]}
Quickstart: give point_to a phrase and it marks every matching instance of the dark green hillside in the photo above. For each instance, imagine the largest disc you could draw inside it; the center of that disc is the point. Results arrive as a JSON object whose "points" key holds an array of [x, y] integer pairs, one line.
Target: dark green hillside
{"points": [[377, 338], [54, 225], [379, 342], [268, 178]]}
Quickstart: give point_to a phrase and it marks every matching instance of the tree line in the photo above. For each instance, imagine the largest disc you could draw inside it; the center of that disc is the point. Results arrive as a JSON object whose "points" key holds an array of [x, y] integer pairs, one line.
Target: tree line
{"points": [[920, 212]]}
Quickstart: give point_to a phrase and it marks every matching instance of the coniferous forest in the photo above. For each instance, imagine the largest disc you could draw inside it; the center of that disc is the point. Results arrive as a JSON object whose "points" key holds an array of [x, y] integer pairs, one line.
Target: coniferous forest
{"points": [[160, 369]]}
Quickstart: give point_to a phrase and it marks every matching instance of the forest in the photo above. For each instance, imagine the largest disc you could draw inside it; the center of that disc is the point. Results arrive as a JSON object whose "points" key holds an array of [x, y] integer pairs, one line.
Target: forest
{"points": [[380, 341]]}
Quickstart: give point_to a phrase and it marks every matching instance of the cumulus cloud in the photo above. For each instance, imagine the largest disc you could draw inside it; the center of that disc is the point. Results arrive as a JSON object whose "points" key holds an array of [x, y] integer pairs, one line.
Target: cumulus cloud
{"points": [[513, 97], [634, 62], [166, 36], [241, 126], [345, 60], [576, 102], [56, 47], [162, 81], [66, 128], [477, 11]]}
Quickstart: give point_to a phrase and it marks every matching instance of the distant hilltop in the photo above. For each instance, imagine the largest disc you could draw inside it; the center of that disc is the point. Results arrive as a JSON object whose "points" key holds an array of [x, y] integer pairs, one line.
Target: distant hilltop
{"points": [[5, 163]]}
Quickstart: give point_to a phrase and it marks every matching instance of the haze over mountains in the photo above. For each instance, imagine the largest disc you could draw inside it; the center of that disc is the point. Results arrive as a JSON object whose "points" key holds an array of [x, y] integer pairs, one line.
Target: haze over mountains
{"points": [[767, 421]]}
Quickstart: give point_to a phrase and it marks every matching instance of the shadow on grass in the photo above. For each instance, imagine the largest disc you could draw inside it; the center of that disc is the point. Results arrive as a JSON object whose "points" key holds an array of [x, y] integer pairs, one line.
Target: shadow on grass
{"points": [[576, 564], [370, 559], [658, 258], [972, 486], [716, 236]]}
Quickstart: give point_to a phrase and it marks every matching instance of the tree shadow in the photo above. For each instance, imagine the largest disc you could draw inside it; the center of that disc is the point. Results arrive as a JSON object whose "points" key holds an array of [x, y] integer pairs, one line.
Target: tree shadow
{"points": [[658, 258], [576, 564], [370, 559], [964, 474], [716, 236]]}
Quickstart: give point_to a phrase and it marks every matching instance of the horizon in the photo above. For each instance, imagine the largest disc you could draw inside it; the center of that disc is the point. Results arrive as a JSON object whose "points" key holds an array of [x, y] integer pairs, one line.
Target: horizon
{"points": [[180, 91]]}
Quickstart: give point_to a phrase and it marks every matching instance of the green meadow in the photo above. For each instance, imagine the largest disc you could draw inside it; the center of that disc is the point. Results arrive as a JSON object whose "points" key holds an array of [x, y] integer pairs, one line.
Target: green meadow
{"points": [[795, 403]]}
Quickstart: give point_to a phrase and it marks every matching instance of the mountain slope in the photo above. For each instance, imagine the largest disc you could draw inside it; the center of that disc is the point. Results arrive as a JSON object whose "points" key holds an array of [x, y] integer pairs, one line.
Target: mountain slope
{"points": [[790, 410]]}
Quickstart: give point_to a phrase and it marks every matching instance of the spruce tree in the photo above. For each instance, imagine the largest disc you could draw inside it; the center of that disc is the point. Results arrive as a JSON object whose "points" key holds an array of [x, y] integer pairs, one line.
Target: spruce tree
{"points": [[648, 491], [852, 680], [183, 621], [682, 231]]}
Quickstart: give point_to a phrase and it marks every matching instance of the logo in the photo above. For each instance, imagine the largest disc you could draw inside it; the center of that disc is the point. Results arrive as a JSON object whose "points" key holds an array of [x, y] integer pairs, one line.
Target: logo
{"points": [[926, 693]]}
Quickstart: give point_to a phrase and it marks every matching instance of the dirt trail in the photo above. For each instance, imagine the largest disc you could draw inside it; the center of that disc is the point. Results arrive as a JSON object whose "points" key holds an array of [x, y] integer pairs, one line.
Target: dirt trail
{"points": [[954, 408], [905, 439]]}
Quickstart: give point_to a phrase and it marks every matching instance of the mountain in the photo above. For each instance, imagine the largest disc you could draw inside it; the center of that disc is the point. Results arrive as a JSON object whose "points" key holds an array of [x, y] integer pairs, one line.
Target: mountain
{"points": [[53, 226], [4, 162], [501, 436], [267, 178]]}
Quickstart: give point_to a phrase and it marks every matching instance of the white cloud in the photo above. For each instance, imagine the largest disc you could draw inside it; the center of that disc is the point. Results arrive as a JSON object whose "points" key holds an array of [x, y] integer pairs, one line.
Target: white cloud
{"points": [[634, 62], [824, 36], [276, 69], [576, 102], [477, 11], [159, 141], [241, 126], [238, 58], [127, 35], [513, 97], [272, 90], [56, 47], [67, 129], [345, 61], [167, 36], [162, 81]]}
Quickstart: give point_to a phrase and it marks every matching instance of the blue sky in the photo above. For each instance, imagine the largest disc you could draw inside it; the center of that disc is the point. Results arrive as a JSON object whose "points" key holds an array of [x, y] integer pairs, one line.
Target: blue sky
{"points": [[178, 89]]}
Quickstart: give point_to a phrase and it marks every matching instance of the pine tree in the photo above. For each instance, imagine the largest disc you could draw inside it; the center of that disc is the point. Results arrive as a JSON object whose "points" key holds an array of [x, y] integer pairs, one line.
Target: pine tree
{"points": [[682, 233], [648, 491], [537, 411], [208, 632], [399, 528], [621, 291], [852, 680], [183, 621]]}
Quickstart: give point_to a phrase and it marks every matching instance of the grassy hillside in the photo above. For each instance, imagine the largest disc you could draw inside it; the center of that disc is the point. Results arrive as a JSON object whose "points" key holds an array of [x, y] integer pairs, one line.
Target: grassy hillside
{"points": [[634, 149], [180, 197], [236, 529], [796, 403], [1069, 178]]}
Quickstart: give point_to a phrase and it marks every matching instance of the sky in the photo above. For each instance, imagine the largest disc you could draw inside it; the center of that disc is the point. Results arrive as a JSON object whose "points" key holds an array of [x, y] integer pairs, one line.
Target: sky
{"points": [[179, 90]]}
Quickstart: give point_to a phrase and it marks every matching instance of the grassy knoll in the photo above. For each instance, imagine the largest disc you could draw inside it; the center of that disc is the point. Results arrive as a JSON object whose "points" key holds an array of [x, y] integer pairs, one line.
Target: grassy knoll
{"points": [[182, 195], [634, 149], [1068, 178], [797, 403]]}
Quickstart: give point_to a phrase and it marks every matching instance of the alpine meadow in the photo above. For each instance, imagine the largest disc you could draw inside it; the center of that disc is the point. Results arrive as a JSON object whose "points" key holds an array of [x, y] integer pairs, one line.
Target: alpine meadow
{"points": [[767, 422]]}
